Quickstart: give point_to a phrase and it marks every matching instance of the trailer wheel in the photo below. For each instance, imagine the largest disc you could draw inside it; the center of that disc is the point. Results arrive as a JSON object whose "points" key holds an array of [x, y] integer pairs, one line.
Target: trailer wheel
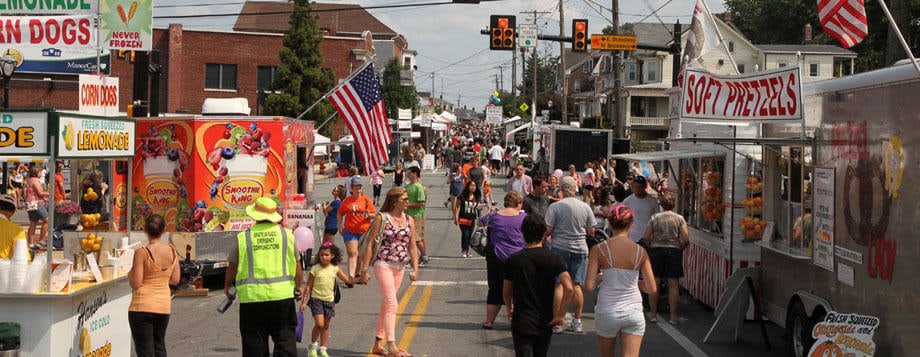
{"points": [[799, 327]]}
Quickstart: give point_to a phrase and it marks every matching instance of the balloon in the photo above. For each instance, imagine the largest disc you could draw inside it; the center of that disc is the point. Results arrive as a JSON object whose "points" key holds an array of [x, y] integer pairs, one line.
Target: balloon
{"points": [[303, 239], [558, 173], [495, 94], [645, 173], [496, 100]]}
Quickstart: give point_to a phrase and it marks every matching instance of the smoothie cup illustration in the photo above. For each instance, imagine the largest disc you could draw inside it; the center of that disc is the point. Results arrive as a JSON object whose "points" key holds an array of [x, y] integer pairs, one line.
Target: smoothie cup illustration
{"points": [[161, 183], [243, 180]]}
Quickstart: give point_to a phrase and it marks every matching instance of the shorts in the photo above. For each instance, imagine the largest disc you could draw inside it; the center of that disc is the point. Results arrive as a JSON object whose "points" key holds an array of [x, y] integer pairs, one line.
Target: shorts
{"points": [[17, 184], [348, 236], [496, 164], [576, 263], [377, 189], [419, 228], [320, 307], [38, 214], [667, 262], [332, 231], [589, 188], [609, 324]]}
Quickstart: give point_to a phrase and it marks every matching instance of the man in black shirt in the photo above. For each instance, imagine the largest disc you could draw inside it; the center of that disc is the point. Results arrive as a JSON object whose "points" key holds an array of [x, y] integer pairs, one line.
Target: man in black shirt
{"points": [[529, 282], [537, 201]]}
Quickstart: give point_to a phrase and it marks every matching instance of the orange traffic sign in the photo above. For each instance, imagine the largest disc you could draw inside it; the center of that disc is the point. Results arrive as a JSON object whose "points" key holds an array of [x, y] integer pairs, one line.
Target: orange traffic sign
{"points": [[612, 42]]}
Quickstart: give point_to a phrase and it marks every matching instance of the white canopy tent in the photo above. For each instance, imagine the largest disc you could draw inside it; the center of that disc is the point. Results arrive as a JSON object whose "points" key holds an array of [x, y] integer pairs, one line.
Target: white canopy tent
{"points": [[318, 148]]}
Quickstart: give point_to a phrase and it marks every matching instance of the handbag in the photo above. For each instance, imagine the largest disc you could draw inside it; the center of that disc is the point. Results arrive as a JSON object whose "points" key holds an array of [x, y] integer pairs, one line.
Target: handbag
{"points": [[374, 241], [480, 238], [337, 293]]}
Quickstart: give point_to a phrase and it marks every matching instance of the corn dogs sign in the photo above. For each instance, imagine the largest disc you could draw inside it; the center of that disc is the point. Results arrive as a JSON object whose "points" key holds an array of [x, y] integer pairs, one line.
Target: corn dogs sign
{"points": [[769, 95]]}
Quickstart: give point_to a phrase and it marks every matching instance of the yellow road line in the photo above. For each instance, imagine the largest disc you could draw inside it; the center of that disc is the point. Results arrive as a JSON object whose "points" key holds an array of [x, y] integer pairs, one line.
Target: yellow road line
{"points": [[409, 332], [403, 302]]}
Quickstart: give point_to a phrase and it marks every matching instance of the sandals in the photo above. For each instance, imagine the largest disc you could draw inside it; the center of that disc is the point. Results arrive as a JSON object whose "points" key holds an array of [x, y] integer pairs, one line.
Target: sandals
{"points": [[399, 353], [679, 320], [382, 351], [486, 326]]}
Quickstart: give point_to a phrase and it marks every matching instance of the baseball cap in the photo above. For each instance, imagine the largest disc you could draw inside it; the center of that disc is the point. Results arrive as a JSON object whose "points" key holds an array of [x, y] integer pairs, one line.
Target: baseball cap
{"points": [[264, 209], [567, 183], [7, 203], [639, 179], [356, 182]]}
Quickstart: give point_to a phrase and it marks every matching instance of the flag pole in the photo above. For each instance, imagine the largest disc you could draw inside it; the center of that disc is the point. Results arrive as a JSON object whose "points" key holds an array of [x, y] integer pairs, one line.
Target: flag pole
{"points": [[350, 76], [900, 36], [721, 39]]}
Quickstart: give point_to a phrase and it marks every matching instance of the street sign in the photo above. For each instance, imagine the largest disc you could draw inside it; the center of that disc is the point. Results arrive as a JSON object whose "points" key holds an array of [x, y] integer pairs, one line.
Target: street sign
{"points": [[527, 35], [612, 42], [524, 107], [494, 114]]}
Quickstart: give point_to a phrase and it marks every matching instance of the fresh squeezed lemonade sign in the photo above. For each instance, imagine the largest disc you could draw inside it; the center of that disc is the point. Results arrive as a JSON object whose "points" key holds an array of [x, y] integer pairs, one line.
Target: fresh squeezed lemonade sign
{"points": [[844, 335], [93, 138]]}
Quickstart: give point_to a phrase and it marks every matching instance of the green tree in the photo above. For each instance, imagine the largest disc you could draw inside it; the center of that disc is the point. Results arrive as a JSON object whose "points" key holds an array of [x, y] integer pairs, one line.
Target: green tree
{"points": [[301, 81], [396, 95]]}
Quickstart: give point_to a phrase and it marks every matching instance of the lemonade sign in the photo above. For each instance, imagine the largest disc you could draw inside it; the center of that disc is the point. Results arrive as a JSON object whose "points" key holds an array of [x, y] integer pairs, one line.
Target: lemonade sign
{"points": [[844, 335], [85, 137]]}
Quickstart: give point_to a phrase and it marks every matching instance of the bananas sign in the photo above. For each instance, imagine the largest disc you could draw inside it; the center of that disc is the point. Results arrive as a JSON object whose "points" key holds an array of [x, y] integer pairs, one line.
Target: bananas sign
{"points": [[24, 133], [89, 137]]}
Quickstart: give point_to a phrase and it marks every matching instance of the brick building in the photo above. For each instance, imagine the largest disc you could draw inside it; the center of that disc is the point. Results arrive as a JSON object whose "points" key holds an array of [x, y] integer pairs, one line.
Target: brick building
{"points": [[197, 64]]}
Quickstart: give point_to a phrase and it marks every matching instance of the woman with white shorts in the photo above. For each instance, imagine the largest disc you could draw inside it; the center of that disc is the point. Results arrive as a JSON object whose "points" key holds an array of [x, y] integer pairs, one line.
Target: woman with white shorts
{"points": [[614, 267]]}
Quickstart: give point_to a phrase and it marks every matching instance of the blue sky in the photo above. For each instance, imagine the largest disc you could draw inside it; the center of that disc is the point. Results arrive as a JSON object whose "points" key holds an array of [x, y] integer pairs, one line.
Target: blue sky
{"points": [[446, 37]]}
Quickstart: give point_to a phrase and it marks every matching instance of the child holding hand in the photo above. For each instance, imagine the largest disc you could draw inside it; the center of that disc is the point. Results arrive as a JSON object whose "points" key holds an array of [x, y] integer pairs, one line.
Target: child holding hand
{"points": [[320, 288]]}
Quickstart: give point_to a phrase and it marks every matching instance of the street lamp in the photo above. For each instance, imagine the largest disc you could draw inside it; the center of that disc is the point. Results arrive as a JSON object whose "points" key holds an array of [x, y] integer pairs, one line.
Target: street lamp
{"points": [[7, 67]]}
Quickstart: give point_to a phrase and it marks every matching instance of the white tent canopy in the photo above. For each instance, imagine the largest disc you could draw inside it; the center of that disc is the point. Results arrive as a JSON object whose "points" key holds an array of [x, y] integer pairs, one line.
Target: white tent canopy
{"points": [[318, 149]]}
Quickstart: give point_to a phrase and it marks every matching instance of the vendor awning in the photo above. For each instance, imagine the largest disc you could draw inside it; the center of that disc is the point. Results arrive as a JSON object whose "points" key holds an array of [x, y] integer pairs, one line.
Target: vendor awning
{"points": [[666, 155], [751, 141]]}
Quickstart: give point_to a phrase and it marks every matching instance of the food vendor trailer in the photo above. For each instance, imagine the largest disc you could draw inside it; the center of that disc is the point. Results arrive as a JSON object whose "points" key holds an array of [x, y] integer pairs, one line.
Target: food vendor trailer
{"points": [[859, 247], [201, 172], [834, 183]]}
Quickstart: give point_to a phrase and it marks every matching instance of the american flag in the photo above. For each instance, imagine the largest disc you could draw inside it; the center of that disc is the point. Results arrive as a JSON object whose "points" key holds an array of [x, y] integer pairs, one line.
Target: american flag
{"points": [[844, 19], [360, 102]]}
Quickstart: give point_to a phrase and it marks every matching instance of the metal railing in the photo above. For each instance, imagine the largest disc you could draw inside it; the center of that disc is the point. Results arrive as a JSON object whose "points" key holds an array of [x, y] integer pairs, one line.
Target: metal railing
{"points": [[662, 122]]}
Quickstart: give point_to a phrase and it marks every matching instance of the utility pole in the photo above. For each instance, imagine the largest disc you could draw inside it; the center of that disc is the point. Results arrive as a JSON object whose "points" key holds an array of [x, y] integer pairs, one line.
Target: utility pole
{"points": [[513, 73], [501, 86], [563, 68], [617, 118], [431, 96], [496, 83]]}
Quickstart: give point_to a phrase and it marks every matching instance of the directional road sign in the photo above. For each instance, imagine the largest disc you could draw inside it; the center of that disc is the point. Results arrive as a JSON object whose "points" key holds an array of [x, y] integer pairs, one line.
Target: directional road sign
{"points": [[527, 35], [615, 43]]}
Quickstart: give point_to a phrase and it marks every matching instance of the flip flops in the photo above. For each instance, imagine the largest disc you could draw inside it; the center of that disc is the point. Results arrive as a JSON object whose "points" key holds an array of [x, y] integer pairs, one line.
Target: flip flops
{"points": [[679, 320]]}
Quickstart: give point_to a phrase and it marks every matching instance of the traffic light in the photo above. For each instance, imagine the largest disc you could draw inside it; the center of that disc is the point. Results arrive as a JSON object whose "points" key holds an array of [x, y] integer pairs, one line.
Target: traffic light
{"points": [[501, 32], [579, 35]]}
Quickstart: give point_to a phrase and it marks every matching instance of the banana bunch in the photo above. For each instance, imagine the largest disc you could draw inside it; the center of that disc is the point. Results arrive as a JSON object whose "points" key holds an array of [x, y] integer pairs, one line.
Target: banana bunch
{"points": [[92, 243], [90, 195], [90, 219]]}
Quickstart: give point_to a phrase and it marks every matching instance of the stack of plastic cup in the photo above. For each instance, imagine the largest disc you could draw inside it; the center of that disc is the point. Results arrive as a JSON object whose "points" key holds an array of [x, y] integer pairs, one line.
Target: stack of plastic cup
{"points": [[5, 265], [19, 269]]}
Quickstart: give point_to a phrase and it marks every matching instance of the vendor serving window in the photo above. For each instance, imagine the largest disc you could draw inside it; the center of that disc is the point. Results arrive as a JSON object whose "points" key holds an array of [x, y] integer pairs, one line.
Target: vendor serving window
{"points": [[702, 192], [792, 184]]}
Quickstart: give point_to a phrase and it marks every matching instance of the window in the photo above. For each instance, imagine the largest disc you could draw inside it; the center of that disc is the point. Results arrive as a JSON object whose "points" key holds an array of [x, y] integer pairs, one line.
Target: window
{"points": [[650, 71], [731, 46], [265, 77], [631, 71], [813, 69], [220, 76], [741, 68]]}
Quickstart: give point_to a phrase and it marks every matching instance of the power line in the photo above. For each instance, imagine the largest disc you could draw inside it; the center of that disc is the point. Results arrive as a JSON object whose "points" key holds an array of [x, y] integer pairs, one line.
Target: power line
{"points": [[398, 6]]}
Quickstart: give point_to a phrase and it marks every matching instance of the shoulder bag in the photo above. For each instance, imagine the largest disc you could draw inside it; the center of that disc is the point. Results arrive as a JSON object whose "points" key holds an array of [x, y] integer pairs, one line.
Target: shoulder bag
{"points": [[480, 237], [374, 241]]}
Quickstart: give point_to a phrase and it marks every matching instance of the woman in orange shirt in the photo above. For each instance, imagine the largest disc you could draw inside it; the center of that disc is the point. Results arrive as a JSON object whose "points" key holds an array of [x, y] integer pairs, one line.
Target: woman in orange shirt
{"points": [[357, 211], [156, 266]]}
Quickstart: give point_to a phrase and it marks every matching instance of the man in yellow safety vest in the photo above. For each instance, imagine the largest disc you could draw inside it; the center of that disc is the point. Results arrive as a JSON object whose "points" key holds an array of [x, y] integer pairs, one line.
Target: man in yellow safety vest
{"points": [[264, 267]]}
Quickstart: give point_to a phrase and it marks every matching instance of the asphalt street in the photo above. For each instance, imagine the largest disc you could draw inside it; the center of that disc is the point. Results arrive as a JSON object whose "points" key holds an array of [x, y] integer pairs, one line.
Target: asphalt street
{"points": [[440, 314]]}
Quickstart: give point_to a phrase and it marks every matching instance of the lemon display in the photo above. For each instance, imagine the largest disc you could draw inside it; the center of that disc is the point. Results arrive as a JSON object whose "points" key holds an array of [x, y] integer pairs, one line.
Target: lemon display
{"points": [[90, 219]]}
